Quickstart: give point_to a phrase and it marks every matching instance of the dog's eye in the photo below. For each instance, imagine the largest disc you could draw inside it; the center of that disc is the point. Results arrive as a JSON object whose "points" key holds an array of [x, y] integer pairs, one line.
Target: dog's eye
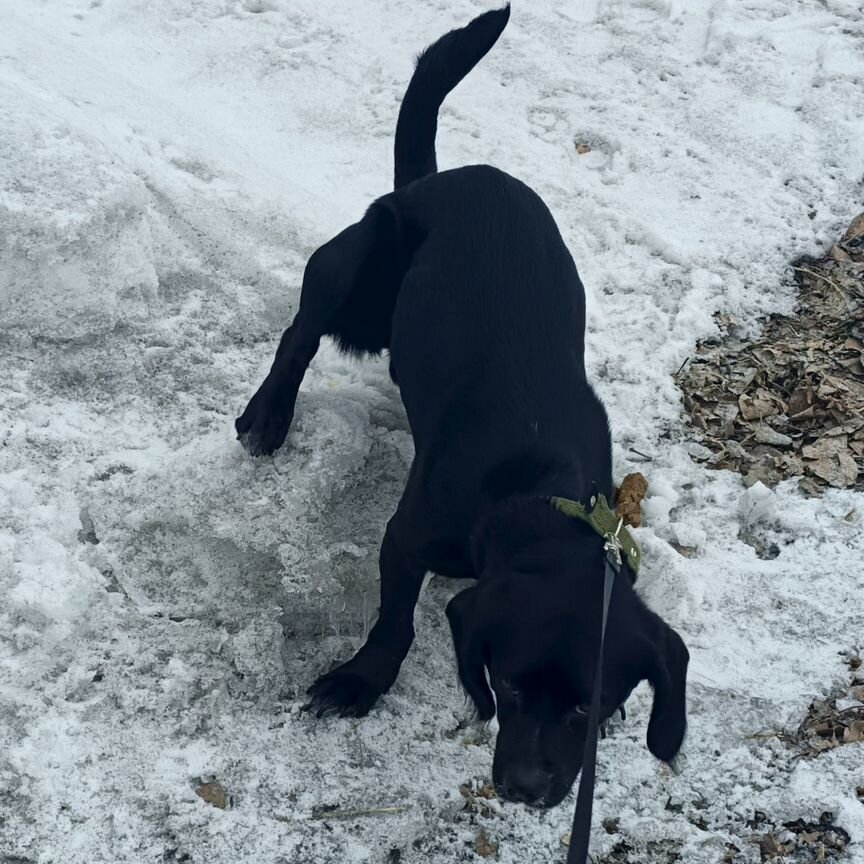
{"points": [[579, 713]]}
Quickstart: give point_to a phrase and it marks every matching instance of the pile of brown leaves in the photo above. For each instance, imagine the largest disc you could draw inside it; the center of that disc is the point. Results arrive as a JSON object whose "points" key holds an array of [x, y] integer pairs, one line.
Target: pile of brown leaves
{"points": [[792, 402]]}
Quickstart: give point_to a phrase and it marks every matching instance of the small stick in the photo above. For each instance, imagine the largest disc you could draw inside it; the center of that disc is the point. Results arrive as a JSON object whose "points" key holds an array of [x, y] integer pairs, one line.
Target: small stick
{"points": [[645, 456], [354, 814], [823, 278]]}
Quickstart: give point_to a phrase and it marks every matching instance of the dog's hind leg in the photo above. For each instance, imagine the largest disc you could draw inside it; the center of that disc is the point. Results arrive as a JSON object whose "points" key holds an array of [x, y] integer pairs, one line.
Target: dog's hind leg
{"points": [[349, 288], [263, 425]]}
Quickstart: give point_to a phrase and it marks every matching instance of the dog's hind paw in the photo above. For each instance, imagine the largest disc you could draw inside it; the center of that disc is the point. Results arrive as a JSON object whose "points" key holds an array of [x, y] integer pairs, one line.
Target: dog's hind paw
{"points": [[343, 693], [262, 427]]}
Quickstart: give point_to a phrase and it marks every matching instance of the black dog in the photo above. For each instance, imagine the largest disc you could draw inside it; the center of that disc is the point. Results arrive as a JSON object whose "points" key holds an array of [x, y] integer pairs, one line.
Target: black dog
{"points": [[464, 277]]}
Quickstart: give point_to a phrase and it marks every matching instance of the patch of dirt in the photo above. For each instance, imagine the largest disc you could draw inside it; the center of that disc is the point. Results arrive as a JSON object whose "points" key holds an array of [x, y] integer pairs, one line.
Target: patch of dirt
{"points": [[791, 403], [655, 851], [797, 842], [627, 852]]}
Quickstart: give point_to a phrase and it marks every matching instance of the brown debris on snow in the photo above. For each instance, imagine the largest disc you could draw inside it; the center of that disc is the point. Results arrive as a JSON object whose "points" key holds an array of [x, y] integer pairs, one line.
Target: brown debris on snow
{"points": [[799, 841], [630, 494], [834, 721], [791, 403], [215, 794], [484, 846], [477, 797]]}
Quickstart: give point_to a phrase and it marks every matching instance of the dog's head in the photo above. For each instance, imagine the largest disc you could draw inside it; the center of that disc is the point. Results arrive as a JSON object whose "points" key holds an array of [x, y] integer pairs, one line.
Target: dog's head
{"points": [[531, 635]]}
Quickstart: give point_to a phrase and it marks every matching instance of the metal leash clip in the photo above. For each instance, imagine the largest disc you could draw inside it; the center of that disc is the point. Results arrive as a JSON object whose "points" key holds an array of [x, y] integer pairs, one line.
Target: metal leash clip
{"points": [[613, 546]]}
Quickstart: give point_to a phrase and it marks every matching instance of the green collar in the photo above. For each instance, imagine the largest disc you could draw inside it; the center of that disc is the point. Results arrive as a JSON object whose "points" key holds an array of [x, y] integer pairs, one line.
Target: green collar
{"points": [[604, 521]]}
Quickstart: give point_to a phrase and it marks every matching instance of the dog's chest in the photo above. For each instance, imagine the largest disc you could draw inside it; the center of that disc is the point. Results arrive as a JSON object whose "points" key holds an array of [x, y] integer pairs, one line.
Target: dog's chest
{"points": [[448, 558]]}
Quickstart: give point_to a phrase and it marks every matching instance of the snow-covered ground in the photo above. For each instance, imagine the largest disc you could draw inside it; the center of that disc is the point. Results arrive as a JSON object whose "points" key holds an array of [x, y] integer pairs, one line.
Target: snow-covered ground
{"points": [[166, 166]]}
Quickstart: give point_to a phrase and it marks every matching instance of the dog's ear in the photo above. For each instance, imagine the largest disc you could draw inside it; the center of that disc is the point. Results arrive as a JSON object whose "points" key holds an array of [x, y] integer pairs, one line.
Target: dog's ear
{"points": [[470, 651], [667, 673]]}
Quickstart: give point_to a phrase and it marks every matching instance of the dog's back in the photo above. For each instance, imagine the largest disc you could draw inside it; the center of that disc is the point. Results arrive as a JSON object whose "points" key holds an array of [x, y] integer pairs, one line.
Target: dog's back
{"points": [[487, 332]]}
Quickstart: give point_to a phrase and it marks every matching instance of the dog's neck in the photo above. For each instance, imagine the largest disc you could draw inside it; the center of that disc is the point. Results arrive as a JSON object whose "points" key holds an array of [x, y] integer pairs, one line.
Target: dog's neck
{"points": [[539, 473], [516, 522], [526, 533]]}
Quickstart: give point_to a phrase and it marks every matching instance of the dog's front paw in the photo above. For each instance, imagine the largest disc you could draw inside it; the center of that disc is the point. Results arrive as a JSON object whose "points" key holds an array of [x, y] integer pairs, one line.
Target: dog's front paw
{"points": [[263, 426], [344, 693]]}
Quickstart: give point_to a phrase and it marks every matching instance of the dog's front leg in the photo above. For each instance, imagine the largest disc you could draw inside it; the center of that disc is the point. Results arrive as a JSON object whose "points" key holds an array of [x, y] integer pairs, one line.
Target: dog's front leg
{"points": [[351, 689]]}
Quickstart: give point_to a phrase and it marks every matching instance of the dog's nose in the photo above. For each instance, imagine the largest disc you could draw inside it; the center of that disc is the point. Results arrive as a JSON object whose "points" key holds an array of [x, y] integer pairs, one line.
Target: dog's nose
{"points": [[529, 785]]}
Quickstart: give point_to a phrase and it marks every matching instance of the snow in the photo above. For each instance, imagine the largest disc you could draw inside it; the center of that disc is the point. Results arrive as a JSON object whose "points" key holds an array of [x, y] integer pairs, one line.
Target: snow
{"points": [[165, 170]]}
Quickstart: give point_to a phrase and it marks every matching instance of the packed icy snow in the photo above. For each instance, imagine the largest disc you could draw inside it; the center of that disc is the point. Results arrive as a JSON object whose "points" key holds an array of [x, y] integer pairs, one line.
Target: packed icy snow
{"points": [[166, 167]]}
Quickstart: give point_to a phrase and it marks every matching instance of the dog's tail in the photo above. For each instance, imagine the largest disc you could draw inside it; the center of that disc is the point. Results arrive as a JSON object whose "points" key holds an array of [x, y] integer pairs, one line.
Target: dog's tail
{"points": [[439, 69]]}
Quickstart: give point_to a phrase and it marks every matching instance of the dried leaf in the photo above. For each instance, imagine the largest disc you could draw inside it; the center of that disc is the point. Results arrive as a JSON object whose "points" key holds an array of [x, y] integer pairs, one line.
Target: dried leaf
{"points": [[831, 460], [630, 494], [484, 846], [770, 847], [810, 486], [845, 428], [213, 793], [855, 229], [853, 365], [789, 464], [840, 471], [854, 733], [801, 399], [764, 434], [762, 404], [759, 474]]}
